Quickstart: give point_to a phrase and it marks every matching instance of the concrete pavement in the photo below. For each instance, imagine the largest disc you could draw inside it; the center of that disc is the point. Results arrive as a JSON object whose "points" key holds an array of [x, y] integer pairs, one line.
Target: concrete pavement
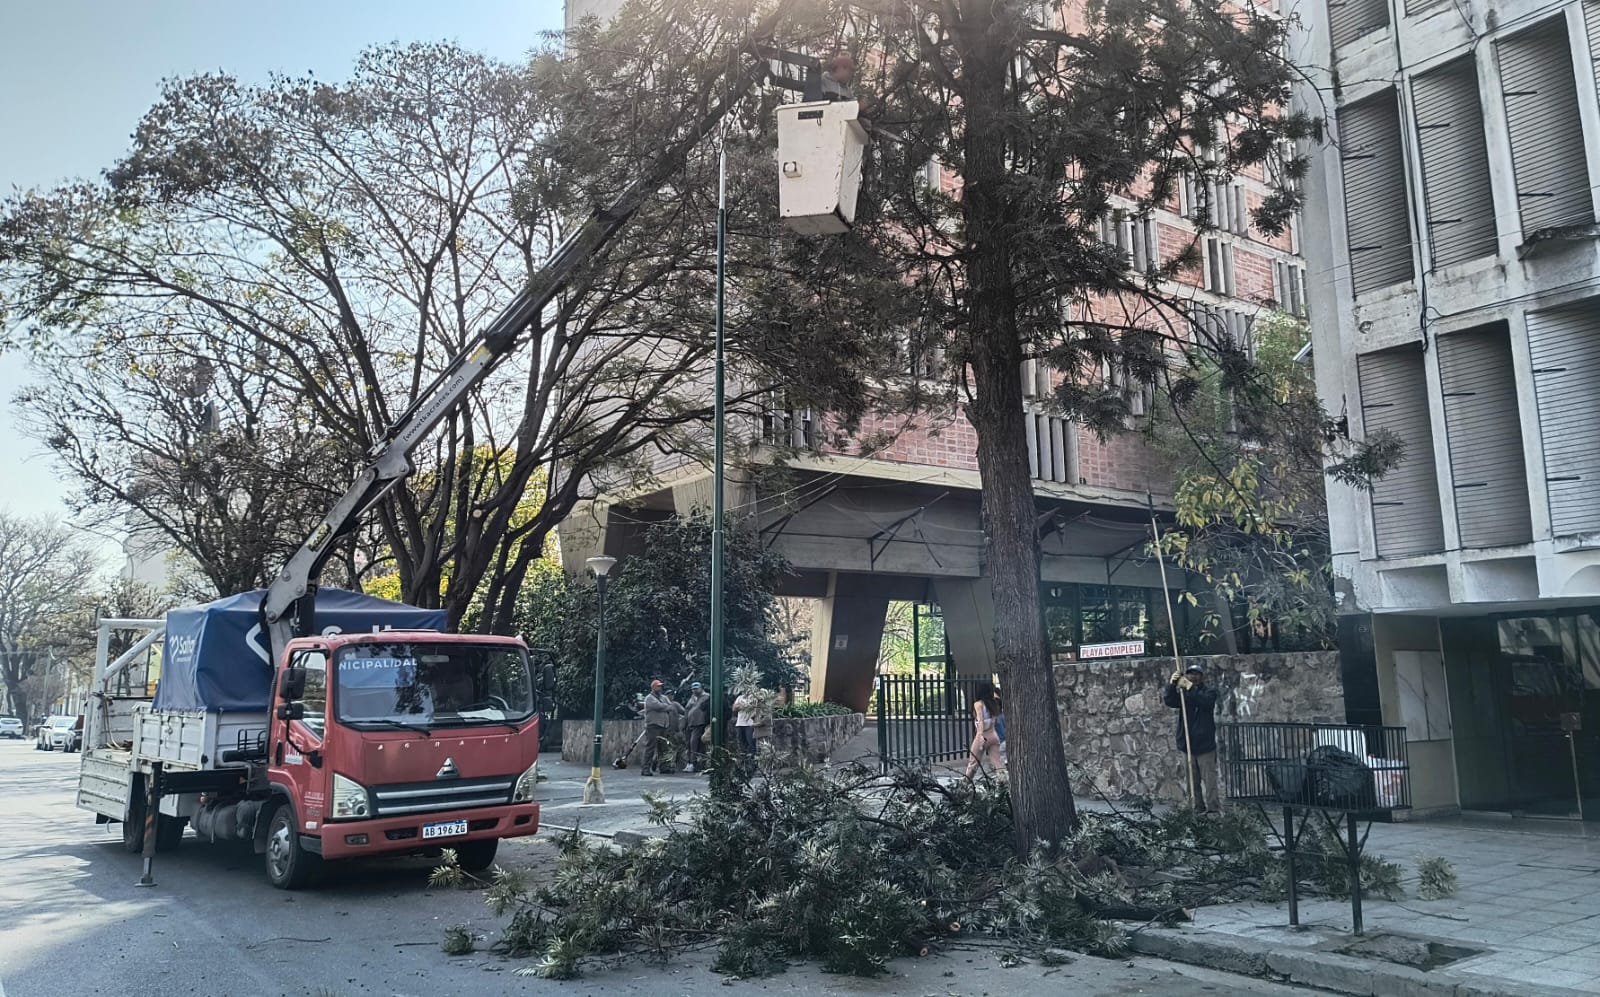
{"points": [[73, 923]]}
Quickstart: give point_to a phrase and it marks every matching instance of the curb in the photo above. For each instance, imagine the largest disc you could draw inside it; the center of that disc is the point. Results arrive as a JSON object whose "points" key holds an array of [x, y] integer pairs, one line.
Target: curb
{"points": [[1324, 970]]}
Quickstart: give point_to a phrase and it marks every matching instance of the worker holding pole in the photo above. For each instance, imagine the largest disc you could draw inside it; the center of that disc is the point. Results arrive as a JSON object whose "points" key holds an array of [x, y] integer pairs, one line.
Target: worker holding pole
{"points": [[1196, 704]]}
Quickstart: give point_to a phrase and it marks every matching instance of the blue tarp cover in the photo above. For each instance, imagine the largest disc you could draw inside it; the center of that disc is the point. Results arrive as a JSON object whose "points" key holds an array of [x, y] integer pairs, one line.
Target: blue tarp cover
{"points": [[216, 656]]}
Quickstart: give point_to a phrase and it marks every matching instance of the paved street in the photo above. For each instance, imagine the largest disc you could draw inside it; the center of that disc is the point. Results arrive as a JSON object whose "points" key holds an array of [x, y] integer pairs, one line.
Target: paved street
{"points": [[72, 922]]}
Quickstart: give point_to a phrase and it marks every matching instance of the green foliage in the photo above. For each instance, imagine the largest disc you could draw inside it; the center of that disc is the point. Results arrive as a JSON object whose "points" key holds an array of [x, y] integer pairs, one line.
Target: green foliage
{"points": [[459, 940], [801, 711], [658, 619], [1247, 451], [1436, 878], [854, 869]]}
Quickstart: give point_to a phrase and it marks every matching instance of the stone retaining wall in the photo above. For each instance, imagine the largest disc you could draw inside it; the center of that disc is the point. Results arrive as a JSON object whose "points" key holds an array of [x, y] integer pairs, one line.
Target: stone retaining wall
{"points": [[813, 739], [1120, 737]]}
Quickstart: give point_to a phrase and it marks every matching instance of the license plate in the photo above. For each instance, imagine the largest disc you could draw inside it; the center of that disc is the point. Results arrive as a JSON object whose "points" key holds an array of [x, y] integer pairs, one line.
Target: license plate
{"points": [[444, 829]]}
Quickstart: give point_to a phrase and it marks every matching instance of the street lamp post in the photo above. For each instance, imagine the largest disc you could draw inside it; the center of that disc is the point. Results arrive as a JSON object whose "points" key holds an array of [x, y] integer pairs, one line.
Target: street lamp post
{"points": [[592, 791], [719, 431]]}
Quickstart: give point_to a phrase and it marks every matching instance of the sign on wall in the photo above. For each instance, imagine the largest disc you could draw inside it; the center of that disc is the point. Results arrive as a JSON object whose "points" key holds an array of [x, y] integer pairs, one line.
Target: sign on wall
{"points": [[1120, 649]]}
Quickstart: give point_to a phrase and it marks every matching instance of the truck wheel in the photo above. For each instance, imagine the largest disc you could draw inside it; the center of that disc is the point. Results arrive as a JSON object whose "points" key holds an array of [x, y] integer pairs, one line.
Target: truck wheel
{"points": [[169, 831], [289, 867], [133, 824], [476, 856]]}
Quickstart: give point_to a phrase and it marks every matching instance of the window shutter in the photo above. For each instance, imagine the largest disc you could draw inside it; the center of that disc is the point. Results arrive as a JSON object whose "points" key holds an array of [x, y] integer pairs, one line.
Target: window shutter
{"points": [[1489, 479], [1547, 153], [1565, 346], [1350, 19], [1455, 164], [1406, 518], [1376, 211]]}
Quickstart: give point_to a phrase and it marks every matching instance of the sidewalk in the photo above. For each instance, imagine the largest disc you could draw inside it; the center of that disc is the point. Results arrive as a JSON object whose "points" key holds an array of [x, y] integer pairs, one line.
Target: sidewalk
{"points": [[1528, 908]]}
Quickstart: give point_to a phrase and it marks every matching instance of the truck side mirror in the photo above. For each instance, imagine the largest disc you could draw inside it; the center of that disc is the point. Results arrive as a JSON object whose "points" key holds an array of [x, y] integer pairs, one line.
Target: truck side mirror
{"points": [[291, 711], [292, 687]]}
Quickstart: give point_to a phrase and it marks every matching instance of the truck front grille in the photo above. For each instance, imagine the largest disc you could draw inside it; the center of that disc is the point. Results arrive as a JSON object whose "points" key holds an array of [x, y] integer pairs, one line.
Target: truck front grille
{"points": [[444, 794]]}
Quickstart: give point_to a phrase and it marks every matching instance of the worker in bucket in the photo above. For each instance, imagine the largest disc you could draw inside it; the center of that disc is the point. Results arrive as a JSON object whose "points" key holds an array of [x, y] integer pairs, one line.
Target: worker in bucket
{"points": [[1196, 704], [834, 82]]}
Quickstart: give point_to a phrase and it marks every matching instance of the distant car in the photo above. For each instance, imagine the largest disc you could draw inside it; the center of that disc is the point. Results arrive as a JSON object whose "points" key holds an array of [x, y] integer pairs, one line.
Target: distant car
{"points": [[60, 732], [11, 727]]}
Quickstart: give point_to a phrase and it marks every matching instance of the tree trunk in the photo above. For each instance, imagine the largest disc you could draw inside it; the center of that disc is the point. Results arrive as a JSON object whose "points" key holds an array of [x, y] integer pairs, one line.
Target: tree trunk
{"points": [[1041, 793]]}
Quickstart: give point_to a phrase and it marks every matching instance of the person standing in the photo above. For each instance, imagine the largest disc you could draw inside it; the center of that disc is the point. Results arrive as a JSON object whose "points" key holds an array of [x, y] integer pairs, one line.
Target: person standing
{"points": [[658, 716], [696, 718], [1196, 704], [985, 739], [744, 721]]}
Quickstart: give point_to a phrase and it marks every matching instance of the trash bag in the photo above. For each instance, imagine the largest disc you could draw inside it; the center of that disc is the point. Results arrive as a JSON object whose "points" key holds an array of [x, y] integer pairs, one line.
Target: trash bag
{"points": [[1290, 781], [1340, 780]]}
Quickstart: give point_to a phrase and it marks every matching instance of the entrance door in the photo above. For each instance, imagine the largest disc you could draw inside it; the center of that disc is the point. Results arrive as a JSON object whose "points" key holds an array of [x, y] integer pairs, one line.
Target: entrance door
{"points": [[1525, 700]]}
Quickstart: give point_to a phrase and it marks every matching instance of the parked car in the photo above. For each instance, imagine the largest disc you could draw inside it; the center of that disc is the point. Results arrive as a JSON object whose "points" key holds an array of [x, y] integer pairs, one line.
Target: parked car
{"points": [[11, 727], [62, 732]]}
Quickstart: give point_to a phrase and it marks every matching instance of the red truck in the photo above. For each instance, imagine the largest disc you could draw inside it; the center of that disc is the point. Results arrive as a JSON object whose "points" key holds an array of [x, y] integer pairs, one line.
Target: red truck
{"points": [[362, 741]]}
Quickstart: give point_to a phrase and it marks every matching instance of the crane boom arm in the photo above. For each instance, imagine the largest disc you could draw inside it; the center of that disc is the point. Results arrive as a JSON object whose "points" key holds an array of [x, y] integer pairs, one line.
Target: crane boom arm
{"points": [[287, 610]]}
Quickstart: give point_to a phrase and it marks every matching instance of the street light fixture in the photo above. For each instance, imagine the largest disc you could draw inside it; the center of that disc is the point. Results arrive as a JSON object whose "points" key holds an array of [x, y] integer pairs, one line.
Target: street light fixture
{"points": [[593, 793]]}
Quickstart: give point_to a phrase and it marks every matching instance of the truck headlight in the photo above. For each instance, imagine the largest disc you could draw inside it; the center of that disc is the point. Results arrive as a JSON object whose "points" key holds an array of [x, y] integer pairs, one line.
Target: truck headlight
{"points": [[526, 784], [349, 799]]}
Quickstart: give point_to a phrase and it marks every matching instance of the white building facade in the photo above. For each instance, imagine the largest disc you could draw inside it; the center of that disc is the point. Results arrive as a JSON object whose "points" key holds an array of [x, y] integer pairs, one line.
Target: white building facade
{"points": [[1453, 266]]}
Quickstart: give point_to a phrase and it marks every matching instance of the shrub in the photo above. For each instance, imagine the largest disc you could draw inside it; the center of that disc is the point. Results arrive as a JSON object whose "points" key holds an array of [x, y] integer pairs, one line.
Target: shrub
{"points": [[1436, 878], [803, 711]]}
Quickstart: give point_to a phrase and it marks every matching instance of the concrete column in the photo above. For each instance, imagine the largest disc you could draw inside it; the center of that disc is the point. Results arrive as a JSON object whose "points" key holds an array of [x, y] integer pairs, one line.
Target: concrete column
{"points": [[968, 607], [582, 535], [846, 632]]}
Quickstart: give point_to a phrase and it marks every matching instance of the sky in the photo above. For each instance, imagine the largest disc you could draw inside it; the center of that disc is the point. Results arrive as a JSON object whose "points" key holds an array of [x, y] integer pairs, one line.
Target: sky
{"points": [[76, 75]]}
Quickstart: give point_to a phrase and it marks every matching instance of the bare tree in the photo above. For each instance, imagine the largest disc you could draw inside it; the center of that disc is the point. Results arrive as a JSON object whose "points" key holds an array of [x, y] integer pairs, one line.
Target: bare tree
{"points": [[43, 568]]}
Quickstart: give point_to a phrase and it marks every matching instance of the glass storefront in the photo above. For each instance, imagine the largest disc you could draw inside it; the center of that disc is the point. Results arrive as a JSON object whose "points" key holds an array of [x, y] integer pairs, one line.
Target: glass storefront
{"points": [[1076, 615], [1525, 712]]}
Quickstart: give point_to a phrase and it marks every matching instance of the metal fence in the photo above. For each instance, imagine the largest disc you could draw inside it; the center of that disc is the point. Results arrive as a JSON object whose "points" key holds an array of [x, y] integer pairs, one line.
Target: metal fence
{"points": [[1333, 767], [923, 719]]}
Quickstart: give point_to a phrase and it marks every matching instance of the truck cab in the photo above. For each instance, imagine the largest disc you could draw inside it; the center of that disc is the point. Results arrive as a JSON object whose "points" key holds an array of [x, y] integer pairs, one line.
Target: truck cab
{"points": [[375, 737], [397, 742]]}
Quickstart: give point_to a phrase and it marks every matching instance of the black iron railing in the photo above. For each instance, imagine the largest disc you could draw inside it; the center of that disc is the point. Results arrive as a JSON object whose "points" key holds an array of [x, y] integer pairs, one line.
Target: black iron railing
{"points": [[923, 719], [1342, 767], [1338, 774]]}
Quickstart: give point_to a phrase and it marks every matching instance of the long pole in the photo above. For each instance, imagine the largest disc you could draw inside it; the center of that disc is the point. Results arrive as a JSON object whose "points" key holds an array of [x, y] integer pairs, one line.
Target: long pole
{"points": [[1177, 656], [719, 430], [593, 792]]}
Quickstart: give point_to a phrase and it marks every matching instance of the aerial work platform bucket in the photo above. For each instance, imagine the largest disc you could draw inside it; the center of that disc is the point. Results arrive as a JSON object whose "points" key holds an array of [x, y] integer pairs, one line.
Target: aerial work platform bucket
{"points": [[820, 147]]}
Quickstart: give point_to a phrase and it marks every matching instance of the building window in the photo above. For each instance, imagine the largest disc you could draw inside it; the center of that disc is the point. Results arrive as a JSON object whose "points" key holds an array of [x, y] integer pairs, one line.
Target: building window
{"points": [[1079, 615], [1216, 260], [1547, 150], [1377, 210], [1564, 346], [1455, 164], [1052, 447], [1406, 518], [1133, 235], [1488, 477], [1349, 20], [1289, 287]]}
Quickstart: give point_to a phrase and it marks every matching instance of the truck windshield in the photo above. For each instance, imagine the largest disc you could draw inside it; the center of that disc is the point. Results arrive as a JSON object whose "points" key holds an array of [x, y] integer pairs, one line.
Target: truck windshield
{"points": [[432, 684]]}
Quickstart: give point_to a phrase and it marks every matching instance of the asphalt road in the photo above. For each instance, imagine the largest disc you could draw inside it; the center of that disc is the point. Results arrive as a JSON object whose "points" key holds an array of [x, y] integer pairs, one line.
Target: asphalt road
{"points": [[72, 922]]}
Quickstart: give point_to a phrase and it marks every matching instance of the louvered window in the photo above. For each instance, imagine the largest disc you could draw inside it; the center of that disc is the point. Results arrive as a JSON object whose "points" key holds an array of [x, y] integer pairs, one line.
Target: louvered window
{"points": [[1565, 348], [1455, 164], [1052, 447], [1488, 476], [1406, 518], [1217, 266], [1351, 19], [1377, 213], [1547, 152]]}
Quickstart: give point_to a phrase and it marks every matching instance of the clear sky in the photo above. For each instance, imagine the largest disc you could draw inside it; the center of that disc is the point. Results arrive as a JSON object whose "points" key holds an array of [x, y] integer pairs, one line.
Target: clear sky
{"points": [[76, 75]]}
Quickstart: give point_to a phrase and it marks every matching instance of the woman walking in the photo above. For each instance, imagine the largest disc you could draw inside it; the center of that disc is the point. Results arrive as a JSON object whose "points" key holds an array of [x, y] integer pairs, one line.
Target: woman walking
{"points": [[986, 710]]}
